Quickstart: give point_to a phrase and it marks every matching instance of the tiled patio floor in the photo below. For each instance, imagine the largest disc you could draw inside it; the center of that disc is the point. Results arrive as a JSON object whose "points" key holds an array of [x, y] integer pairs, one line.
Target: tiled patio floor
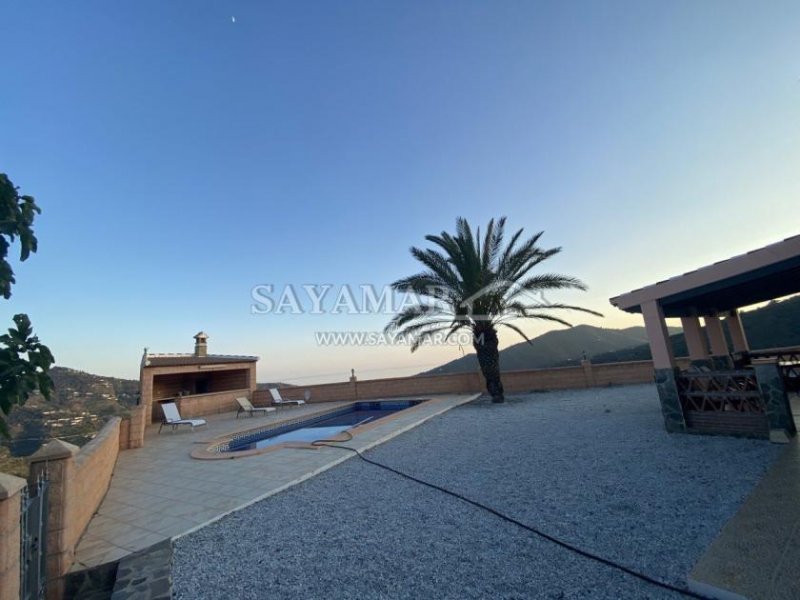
{"points": [[159, 491]]}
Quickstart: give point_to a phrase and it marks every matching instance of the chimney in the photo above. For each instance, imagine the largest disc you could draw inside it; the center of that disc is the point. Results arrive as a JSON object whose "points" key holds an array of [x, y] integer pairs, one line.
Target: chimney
{"points": [[200, 345]]}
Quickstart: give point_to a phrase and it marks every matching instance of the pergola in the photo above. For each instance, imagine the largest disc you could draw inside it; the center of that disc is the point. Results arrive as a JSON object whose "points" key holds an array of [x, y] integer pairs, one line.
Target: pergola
{"points": [[737, 392]]}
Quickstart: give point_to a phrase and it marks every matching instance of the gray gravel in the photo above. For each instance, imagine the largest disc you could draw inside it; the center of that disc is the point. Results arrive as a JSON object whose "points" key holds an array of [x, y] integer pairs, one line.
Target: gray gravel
{"points": [[594, 467]]}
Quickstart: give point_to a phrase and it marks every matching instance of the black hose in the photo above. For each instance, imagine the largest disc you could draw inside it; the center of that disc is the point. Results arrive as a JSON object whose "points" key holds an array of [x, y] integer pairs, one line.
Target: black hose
{"points": [[497, 513]]}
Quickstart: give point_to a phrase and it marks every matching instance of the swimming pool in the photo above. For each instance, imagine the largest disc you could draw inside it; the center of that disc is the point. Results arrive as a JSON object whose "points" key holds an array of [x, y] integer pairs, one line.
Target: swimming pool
{"points": [[320, 427]]}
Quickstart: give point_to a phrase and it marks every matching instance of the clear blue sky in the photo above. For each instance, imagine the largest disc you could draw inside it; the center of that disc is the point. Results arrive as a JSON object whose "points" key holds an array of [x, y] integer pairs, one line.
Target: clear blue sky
{"points": [[182, 157]]}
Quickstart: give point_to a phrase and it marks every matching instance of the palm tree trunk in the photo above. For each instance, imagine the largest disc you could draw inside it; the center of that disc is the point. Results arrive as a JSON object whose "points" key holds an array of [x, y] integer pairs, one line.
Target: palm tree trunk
{"points": [[484, 340]]}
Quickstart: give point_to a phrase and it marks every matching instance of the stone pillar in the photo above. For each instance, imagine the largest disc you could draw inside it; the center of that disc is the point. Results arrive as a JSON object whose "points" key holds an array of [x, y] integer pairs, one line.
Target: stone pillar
{"points": [[252, 379], [720, 357], [137, 427], [666, 372], [696, 341], [125, 434], [56, 462], [775, 400], [146, 393], [666, 381], [10, 506], [737, 332]]}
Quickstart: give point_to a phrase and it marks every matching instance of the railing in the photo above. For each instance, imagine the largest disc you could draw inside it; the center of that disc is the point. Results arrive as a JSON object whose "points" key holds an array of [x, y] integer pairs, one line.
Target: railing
{"points": [[724, 402], [33, 541], [720, 391], [788, 360]]}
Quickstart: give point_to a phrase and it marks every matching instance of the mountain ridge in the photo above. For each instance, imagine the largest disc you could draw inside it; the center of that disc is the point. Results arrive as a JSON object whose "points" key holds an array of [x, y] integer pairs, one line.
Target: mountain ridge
{"points": [[553, 348]]}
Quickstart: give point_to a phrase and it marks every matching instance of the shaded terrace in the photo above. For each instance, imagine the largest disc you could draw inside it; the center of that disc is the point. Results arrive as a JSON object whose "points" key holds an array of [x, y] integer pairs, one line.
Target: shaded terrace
{"points": [[725, 390]]}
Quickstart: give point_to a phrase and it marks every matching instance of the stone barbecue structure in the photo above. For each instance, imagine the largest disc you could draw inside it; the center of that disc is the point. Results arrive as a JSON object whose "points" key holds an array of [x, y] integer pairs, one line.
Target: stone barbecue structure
{"points": [[199, 383]]}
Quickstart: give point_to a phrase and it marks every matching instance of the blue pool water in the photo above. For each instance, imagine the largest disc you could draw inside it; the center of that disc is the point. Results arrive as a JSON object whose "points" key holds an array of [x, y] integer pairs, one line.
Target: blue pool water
{"points": [[321, 427]]}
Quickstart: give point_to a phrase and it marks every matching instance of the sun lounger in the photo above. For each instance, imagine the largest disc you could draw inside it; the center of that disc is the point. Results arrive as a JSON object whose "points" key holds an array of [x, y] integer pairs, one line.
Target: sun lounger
{"points": [[246, 407], [173, 418], [278, 401]]}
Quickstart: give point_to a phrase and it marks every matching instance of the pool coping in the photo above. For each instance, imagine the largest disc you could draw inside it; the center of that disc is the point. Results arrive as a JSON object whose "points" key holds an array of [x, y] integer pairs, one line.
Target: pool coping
{"points": [[210, 452]]}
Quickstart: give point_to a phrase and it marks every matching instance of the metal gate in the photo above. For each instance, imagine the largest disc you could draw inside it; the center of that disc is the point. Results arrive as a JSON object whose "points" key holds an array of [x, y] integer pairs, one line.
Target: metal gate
{"points": [[33, 541]]}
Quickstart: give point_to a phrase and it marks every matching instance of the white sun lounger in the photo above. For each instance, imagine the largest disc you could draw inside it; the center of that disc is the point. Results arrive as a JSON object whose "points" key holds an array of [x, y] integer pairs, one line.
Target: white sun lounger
{"points": [[278, 401], [245, 406], [173, 418]]}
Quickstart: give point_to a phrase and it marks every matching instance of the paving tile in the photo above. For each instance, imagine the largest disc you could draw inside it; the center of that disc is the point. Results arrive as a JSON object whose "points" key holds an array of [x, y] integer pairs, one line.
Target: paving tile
{"points": [[142, 539], [110, 553]]}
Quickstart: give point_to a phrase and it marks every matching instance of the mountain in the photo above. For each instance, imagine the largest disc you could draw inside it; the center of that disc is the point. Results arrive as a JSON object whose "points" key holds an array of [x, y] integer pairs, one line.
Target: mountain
{"points": [[772, 326], [554, 348], [80, 404]]}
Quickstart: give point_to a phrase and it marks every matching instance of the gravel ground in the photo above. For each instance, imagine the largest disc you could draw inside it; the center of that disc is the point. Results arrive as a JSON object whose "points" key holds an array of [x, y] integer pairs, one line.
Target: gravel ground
{"points": [[594, 467]]}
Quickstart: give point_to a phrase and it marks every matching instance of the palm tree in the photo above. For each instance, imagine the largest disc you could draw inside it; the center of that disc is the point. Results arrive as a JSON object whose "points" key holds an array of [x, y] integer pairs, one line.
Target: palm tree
{"points": [[480, 285]]}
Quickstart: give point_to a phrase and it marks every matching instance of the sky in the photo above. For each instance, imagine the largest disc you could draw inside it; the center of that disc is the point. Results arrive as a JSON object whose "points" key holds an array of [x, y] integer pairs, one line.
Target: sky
{"points": [[184, 153]]}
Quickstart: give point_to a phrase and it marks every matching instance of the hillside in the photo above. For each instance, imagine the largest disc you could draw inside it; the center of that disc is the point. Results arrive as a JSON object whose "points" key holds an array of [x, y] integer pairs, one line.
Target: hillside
{"points": [[81, 403], [772, 326], [559, 347]]}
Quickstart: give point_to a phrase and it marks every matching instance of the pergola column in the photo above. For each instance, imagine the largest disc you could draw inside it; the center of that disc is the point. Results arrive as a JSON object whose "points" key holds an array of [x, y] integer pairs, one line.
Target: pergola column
{"points": [[696, 340], [658, 336], [665, 371], [737, 332], [719, 346]]}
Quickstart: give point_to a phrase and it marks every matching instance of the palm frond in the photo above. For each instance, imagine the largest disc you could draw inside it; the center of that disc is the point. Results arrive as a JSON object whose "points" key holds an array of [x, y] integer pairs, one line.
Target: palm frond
{"points": [[542, 317], [492, 243], [538, 284], [422, 337], [480, 281], [437, 263], [410, 313], [518, 330]]}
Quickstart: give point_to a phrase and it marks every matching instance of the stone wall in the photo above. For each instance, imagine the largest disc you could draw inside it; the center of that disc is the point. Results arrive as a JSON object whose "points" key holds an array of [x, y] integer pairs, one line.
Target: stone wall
{"points": [[79, 479], [585, 375], [205, 404]]}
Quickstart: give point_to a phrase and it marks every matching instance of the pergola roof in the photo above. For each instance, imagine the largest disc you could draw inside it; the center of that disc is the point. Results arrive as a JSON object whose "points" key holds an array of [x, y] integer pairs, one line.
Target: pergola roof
{"points": [[180, 360], [760, 275]]}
